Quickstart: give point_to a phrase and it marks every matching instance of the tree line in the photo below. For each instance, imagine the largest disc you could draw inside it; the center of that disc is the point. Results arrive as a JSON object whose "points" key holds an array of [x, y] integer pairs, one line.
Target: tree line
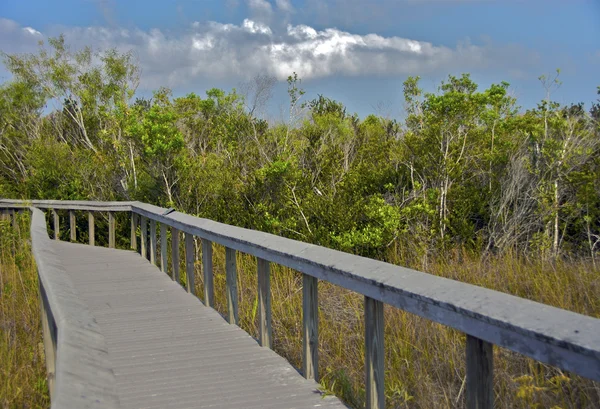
{"points": [[465, 168]]}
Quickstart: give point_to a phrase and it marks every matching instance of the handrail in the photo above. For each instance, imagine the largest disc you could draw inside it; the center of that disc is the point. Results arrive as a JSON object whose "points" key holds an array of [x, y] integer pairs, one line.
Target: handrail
{"points": [[561, 338], [80, 372]]}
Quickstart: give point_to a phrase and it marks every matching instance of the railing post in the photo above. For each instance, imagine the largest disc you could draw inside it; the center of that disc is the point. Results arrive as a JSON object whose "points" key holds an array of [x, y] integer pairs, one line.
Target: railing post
{"points": [[91, 229], [264, 303], [143, 236], [163, 248], [153, 241], [190, 255], [374, 354], [56, 225], [480, 373], [207, 269], [111, 230], [175, 253], [13, 218], [73, 226], [231, 286], [133, 239], [310, 324]]}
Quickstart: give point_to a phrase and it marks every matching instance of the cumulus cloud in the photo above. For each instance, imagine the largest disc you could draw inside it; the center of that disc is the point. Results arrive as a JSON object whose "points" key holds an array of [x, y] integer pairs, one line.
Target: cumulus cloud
{"points": [[215, 50]]}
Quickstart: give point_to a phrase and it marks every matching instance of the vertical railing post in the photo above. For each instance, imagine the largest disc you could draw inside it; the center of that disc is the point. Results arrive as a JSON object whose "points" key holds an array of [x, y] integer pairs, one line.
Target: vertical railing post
{"points": [[56, 225], [480, 373], [143, 236], [175, 253], [153, 241], [207, 270], [264, 303], [72, 226], [374, 354], [133, 239], [91, 229], [310, 324], [111, 230], [163, 248], [231, 286], [13, 218], [190, 255]]}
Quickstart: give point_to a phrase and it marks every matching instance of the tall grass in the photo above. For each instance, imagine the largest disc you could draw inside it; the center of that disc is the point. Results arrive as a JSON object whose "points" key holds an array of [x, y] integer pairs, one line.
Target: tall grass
{"points": [[22, 366]]}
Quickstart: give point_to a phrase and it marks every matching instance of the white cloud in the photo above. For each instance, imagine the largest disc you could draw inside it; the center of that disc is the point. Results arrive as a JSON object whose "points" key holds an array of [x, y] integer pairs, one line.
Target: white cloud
{"points": [[285, 6], [226, 51]]}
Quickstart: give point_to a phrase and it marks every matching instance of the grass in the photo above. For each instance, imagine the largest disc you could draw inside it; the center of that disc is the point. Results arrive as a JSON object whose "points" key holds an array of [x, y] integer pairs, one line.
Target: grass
{"points": [[22, 366], [424, 361]]}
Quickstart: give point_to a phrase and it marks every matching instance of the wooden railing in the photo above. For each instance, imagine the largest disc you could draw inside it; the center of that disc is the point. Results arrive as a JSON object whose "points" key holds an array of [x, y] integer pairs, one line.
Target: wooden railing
{"points": [[560, 338], [79, 370]]}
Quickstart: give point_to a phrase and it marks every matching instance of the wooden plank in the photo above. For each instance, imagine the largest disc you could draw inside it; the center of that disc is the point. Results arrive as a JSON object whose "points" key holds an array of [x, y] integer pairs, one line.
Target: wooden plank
{"points": [[480, 374], [163, 248], [231, 286], [144, 236], [264, 303], [111, 230], [190, 257], [374, 354], [153, 248], [72, 226], [207, 270], [133, 237], [175, 254], [56, 225], [91, 229], [310, 324]]}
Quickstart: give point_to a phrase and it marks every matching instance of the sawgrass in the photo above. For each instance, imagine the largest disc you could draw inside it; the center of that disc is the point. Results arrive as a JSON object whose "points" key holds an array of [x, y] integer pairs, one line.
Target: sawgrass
{"points": [[22, 366]]}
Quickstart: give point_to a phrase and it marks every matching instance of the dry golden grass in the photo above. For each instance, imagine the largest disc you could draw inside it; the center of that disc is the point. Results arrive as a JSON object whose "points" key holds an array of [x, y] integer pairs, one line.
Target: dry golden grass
{"points": [[22, 367], [424, 361]]}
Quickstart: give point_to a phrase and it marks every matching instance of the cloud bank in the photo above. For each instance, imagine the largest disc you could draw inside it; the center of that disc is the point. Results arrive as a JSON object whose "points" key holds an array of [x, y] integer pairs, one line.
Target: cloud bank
{"points": [[212, 50]]}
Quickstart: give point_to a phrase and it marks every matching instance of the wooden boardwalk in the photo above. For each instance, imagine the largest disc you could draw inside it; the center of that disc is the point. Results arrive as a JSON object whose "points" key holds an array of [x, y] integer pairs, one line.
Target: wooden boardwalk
{"points": [[168, 350], [120, 333]]}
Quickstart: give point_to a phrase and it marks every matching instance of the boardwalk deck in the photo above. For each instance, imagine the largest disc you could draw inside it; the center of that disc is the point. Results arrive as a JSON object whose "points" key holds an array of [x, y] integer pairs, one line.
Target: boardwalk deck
{"points": [[168, 350]]}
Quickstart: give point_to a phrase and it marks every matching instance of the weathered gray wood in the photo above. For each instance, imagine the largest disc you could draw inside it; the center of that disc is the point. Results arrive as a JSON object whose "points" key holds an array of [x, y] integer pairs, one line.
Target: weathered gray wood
{"points": [[231, 286], [56, 225], [72, 226], [175, 254], [163, 248], [49, 337], [264, 304], [480, 374], [133, 237], [144, 236], [84, 376], [374, 354], [169, 351], [190, 258], [310, 325], [68, 205], [207, 270], [557, 337], [111, 230], [91, 229], [153, 247]]}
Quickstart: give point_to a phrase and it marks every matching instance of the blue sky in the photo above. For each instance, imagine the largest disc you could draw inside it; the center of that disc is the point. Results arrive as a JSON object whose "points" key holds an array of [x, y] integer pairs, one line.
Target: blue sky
{"points": [[358, 52]]}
